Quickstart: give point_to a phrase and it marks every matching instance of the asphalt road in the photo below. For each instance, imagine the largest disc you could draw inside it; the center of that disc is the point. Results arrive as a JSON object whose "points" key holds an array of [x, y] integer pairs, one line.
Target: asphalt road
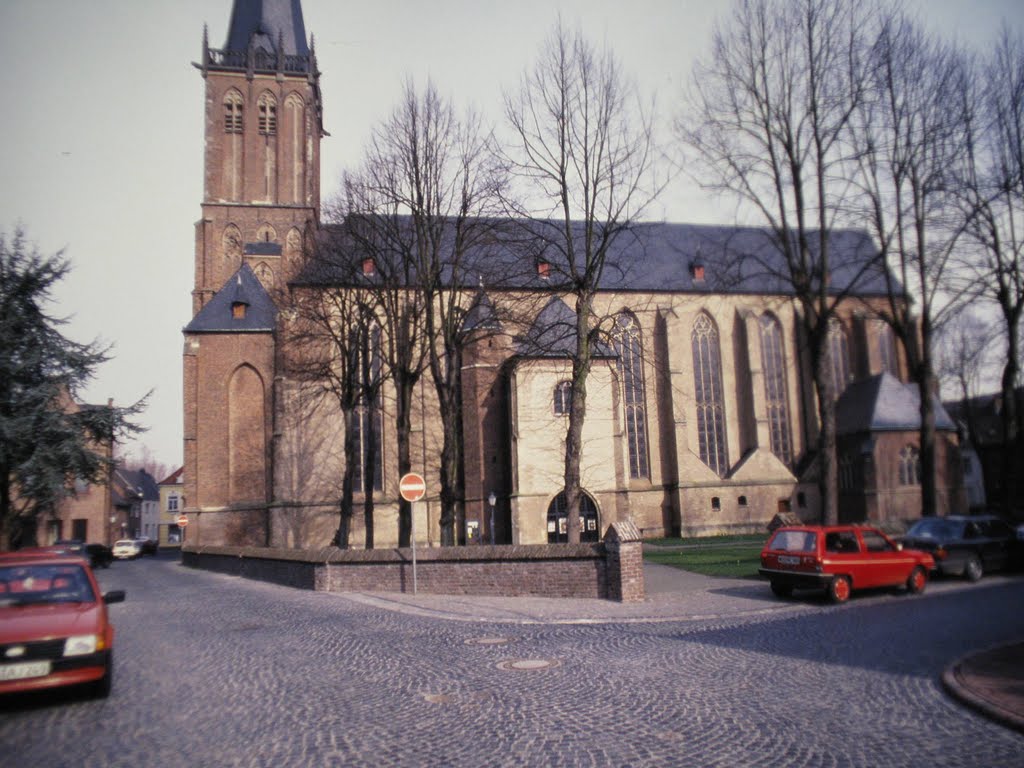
{"points": [[218, 671]]}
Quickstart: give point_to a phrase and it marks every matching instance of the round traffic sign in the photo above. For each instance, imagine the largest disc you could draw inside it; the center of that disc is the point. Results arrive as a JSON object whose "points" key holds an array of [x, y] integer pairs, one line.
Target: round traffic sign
{"points": [[412, 486], [182, 521]]}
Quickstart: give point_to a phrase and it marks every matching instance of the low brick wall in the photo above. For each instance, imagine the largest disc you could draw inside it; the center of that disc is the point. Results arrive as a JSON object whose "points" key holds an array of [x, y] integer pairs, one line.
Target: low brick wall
{"points": [[611, 570]]}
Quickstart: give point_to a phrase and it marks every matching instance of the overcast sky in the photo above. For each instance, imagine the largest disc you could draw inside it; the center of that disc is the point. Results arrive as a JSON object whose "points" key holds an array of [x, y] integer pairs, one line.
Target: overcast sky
{"points": [[102, 144]]}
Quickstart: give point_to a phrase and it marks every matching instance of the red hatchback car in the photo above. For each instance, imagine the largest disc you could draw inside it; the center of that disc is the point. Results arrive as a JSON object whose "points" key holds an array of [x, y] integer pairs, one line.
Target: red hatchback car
{"points": [[839, 559], [54, 628]]}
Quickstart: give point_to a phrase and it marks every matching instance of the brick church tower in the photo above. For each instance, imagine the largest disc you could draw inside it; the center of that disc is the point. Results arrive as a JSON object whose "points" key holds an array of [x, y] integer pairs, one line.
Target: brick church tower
{"points": [[261, 200]]}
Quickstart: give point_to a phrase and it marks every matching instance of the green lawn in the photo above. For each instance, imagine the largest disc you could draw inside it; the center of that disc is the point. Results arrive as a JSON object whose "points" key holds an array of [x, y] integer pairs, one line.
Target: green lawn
{"points": [[732, 556]]}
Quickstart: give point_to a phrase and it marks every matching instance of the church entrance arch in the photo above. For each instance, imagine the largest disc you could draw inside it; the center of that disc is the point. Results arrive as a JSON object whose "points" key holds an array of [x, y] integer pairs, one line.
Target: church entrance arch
{"points": [[558, 520]]}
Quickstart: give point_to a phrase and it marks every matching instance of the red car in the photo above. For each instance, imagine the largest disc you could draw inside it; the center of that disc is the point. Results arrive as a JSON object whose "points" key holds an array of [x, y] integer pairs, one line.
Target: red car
{"points": [[54, 628], [839, 559]]}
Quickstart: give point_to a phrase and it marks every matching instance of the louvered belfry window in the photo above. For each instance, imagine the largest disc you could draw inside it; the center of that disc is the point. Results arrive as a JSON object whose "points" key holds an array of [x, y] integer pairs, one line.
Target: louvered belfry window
{"points": [[233, 113], [267, 115]]}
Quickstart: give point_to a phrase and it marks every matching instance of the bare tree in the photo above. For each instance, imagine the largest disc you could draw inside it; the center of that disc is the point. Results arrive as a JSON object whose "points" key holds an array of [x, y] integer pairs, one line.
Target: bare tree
{"points": [[331, 333], [768, 120], [583, 148], [421, 209], [907, 133], [991, 188], [964, 346]]}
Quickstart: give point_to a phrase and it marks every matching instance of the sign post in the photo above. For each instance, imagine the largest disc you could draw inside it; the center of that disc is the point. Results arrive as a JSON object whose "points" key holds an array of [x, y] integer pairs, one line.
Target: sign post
{"points": [[412, 487]]}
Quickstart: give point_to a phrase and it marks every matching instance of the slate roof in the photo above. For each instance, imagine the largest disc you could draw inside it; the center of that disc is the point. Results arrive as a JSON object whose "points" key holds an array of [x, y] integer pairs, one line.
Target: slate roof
{"points": [[553, 334], [267, 20], [882, 403], [242, 287], [133, 485], [651, 257]]}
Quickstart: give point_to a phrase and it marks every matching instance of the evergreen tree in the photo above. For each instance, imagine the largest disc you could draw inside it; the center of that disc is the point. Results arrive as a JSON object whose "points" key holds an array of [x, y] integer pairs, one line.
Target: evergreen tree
{"points": [[46, 440]]}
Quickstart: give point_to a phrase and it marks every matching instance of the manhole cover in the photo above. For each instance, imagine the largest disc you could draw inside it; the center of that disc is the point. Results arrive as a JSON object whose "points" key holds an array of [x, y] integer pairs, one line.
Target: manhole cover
{"points": [[488, 641], [527, 665]]}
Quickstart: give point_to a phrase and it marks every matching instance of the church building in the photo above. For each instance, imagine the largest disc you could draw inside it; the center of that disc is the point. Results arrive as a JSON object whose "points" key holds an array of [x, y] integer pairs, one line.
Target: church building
{"points": [[701, 412]]}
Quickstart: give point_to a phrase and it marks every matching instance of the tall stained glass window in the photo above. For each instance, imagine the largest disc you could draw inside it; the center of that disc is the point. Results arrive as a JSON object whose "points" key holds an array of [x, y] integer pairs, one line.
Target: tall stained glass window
{"points": [[707, 375], [628, 345], [773, 365]]}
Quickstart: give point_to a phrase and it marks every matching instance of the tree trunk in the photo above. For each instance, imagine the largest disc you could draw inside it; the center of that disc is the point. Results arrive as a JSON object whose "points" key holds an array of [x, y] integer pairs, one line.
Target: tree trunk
{"points": [[343, 535], [825, 390], [403, 426]]}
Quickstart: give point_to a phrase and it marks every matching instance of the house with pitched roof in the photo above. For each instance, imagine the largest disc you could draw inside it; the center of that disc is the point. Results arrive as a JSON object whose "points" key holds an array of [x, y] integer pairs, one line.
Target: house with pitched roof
{"points": [[701, 412]]}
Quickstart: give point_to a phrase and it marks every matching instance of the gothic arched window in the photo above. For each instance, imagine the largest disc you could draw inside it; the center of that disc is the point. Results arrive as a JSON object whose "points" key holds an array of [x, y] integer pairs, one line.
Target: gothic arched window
{"points": [[369, 421], [887, 350], [628, 344], [776, 397], [909, 466], [233, 112], [295, 136], [563, 398], [266, 108], [707, 376], [839, 351]]}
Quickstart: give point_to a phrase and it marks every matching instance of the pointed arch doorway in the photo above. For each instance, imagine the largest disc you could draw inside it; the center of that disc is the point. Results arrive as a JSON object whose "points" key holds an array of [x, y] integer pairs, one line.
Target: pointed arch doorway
{"points": [[558, 521]]}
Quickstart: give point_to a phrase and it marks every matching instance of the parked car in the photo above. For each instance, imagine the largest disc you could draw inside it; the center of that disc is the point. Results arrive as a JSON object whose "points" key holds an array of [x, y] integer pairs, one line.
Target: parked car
{"points": [[149, 547], [840, 559], [54, 626], [127, 549], [965, 546], [99, 555]]}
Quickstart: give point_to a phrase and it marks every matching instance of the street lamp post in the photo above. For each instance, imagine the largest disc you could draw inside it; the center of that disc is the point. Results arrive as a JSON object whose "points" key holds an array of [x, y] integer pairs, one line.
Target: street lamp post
{"points": [[492, 500]]}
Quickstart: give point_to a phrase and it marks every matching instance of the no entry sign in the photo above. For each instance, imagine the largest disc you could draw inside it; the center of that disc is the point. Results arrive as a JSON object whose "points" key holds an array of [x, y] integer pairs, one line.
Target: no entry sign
{"points": [[412, 486]]}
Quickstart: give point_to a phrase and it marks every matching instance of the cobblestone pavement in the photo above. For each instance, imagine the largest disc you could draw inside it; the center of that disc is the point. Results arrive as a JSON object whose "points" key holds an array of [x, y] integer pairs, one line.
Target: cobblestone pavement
{"points": [[218, 671]]}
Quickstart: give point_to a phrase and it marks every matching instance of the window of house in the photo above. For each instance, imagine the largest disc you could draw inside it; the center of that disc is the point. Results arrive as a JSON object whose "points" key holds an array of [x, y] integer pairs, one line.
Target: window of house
{"points": [[707, 374], [628, 344], [543, 269], [716, 503], [909, 466], [172, 503], [238, 310], [839, 351], [775, 391], [563, 398], [267, 112], [233, 112], [742, 501]]}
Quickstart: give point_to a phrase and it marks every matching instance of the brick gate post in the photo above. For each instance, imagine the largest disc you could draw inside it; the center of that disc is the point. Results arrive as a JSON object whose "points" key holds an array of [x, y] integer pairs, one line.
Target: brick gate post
{"points": [[625, 562]]}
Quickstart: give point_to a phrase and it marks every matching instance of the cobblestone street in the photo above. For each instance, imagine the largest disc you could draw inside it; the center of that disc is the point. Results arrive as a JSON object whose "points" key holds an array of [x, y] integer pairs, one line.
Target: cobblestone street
{"points": [[218, 671]]}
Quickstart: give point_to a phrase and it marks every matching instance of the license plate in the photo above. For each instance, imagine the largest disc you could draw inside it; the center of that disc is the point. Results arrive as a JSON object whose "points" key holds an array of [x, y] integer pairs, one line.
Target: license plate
{"points": [[24, 670], [789, 560]]}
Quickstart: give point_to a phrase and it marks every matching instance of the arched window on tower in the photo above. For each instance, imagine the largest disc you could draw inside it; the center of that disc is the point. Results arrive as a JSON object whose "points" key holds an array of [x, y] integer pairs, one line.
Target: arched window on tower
{"points": [[295, 136], [707, 376], [627, 339], [839, 351], [266, 108], [776, 397], [232, 175], [233, 112]]}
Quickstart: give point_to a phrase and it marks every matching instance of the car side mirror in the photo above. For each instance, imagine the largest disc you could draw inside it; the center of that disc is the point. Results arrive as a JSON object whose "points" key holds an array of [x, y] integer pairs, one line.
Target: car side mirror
{"points": [[114, 596]]}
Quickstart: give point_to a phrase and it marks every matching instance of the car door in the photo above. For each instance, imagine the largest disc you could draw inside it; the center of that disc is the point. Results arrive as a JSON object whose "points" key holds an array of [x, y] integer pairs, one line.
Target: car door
{"points": [[843, 555], [884, 563], [995, 543]]}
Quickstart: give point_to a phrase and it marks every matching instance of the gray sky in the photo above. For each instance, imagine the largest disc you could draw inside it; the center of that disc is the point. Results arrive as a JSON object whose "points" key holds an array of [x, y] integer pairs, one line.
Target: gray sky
{"points": [[102, 145]]}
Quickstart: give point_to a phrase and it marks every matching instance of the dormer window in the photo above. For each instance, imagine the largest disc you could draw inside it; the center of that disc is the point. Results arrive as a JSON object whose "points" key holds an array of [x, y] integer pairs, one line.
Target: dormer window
{"points": [[543, 269], [238, 310], [697, 271], [369, 268]]}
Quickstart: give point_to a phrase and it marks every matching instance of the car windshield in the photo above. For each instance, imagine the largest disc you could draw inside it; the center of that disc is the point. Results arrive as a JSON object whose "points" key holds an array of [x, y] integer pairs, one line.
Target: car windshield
{"points": [[44, 583], [936, 528], [125, 543], [794, 541]]}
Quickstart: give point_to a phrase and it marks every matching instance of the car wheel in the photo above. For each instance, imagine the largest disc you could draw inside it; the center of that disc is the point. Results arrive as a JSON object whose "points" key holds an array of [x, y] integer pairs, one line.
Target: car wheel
{"points": [[972, 568], [781, 590], [916, 581], [839, 589]]}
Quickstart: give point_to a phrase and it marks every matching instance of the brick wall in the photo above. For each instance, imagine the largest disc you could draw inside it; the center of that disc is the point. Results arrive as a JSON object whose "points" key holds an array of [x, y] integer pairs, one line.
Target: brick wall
{"points": [[613, 572]]}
